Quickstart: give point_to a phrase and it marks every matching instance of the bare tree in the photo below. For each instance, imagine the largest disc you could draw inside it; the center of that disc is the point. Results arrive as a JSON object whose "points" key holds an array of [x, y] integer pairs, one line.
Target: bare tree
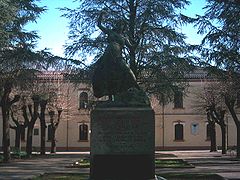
{"points": [[19, 125], [54, 122], [216, 109], [230, 92], [211, 101], [43, 105], [5, 103], [217, 114], [33, 110], [55, 108], [212, 128]]}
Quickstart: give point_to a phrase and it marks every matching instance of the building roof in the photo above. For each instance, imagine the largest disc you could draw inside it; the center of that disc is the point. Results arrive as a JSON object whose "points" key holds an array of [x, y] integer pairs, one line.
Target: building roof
{"points": [[198, 73]]}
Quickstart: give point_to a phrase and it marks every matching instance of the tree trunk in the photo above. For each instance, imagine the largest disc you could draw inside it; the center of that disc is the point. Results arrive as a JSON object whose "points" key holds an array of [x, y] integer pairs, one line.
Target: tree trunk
{"points": [[133, 65], [43, 138], [53, 144], [230, 106], [34, 116], [224, 142], [237, 123], [29, 140], [6, 133], [6, 103], [43, 104], [132, 49], [213, 137], [238, 141], [17, 138]]}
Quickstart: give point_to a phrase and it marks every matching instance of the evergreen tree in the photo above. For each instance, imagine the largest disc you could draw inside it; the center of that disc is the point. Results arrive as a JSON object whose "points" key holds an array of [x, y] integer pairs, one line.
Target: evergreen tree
{"points": [[158, 53], [220, 24], [16, 55], [220, 49], [7, 11]]}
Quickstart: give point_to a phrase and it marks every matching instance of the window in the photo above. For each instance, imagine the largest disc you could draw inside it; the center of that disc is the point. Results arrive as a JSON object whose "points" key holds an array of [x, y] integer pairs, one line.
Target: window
{"points": [[178, 99], [83, 100], [194, 128], [49, 128], [178, 132], [208, 131], [83, 132], [35, 131]]}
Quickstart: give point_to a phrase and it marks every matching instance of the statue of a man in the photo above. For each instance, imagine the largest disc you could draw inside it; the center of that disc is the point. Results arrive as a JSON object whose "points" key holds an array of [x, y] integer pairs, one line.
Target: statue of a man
{"points": [[112, 75]]}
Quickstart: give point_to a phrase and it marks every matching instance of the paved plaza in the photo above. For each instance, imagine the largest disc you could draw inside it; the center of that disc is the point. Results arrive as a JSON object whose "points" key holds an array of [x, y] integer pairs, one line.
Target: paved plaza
{"points": [[226, 166]]}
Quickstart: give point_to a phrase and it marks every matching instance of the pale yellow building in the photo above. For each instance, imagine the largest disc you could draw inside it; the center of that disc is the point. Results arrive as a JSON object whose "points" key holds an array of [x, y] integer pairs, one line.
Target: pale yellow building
{"points": [[179, 125]]}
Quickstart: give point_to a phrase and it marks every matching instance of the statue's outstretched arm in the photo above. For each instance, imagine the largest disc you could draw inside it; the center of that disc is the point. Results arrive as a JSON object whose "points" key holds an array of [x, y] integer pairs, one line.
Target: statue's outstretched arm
{"points": [[99, 24], [128, 43]]}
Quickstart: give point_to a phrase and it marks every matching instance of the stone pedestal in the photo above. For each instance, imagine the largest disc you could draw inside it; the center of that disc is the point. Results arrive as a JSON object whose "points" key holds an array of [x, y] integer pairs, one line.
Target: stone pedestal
{"points": [[122, 144]]}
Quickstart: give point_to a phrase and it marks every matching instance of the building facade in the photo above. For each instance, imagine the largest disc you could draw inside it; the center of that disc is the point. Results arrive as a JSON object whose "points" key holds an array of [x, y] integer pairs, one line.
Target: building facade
{"points": [[178, 125]]}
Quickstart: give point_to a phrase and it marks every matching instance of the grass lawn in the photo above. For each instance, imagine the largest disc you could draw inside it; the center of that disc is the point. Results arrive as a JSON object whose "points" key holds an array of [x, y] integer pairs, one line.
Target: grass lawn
{"points": [[159, 163], [22, 155], [66, 176], [190, 176], [82, 163], [164, 155], [62, 176], [172, 163], [15, 155]]}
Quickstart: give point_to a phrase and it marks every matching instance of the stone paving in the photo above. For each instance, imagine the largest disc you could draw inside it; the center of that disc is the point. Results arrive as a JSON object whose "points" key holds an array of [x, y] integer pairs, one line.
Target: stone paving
{"points": [[205, 162], [226, 166], [26, 169]]}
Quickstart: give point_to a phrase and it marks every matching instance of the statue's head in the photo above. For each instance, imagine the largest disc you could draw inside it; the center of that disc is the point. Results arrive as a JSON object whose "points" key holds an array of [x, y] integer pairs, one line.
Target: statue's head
{"points": [[120, 26]]}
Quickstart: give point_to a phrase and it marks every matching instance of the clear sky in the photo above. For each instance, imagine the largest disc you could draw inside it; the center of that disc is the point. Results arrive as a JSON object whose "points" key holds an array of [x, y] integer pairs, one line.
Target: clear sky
{"points": [[53, 29]]}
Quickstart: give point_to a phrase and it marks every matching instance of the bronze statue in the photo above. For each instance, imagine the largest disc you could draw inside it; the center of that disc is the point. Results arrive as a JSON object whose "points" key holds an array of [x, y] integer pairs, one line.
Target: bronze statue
{"points": [[112, 75]]}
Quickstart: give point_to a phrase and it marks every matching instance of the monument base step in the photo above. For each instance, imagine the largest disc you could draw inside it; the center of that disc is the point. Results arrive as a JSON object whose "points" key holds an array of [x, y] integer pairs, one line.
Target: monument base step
{"points": [[155, 178], [139, 167], [159, 178]]}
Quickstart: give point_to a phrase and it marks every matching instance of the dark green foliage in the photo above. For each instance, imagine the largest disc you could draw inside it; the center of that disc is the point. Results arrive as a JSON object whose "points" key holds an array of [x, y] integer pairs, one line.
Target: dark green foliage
{"points": [[16, 54], [220, 50], [15, 14], [17, 154], [7, 12], [220, 24], [158, 52], [16, 50]]}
